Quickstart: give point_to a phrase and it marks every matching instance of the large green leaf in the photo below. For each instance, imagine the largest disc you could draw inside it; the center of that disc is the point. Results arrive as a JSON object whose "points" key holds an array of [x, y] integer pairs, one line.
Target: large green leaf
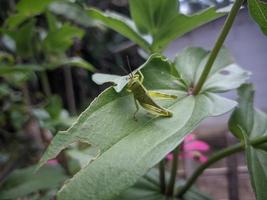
{"points": [[122, 25], [129, 148], [258, 11], [161, 20], [248, 123], [25, 181], [155, 23]]}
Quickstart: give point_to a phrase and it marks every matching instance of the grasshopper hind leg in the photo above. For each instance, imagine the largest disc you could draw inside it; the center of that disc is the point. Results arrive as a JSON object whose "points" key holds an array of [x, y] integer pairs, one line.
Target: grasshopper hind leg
{"points": [[157, 110]]}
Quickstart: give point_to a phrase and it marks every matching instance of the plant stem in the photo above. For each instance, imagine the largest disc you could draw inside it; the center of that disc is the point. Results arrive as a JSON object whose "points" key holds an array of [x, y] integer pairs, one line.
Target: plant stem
{"points": [[214, 158], [162, 176], [45, 83], [171, 185], [218, 45]]}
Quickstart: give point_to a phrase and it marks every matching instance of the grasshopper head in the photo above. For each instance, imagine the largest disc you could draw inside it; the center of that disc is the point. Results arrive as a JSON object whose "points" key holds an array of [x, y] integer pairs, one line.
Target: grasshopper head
{"points": [[133, 79]]}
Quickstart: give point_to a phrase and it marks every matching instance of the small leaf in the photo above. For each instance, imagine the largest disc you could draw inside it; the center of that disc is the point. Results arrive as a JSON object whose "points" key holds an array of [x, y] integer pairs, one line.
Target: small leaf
{"points": [[258, 11], [248, 123], [72, 61]]}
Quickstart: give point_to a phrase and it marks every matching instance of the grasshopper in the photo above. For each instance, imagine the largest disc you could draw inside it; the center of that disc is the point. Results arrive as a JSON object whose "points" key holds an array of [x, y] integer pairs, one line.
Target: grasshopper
{"points": [[143, 96]]}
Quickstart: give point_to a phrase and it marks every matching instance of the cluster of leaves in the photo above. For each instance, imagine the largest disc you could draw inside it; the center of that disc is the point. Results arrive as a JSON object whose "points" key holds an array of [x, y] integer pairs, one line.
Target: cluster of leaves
{"points": [[35, 39]]}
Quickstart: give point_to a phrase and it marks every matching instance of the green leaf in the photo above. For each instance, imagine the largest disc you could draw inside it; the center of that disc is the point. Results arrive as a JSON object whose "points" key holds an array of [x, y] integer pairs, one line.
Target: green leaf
{"points": [[72, 12], [122, 25], [155, 23], [224, 76], [58, 41], [248, 123], [36, 6], [151, 15], [258, 11], [79, 62], [72, 61], [24, 11], [26, 68], [23, 37], [129, 148], [161, 20], [25, 181], [52, 22]]}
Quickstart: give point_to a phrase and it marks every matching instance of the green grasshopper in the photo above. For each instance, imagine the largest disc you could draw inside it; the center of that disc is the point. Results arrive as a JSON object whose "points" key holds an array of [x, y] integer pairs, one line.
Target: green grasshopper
{"points": [[143, 96]]}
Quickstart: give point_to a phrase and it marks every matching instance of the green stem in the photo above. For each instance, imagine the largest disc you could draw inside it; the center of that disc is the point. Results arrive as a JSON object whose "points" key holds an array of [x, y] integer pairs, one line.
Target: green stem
{"points": [[214, 158], [218, 45], [171, 185], [45, 83], [162, 176]]}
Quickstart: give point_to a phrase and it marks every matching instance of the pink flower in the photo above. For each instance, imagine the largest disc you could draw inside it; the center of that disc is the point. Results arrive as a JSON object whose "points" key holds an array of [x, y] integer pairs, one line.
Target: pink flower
{"points": [[52, 162], [193, 148]]}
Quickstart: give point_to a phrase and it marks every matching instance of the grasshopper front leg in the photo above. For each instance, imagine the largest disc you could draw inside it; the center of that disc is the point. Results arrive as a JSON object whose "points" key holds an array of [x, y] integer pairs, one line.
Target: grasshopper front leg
{"points": [[137, 109]]}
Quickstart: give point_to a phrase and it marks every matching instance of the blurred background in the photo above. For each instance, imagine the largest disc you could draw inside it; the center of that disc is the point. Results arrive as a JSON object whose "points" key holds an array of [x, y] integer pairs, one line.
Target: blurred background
{"points": [[46, 65]]}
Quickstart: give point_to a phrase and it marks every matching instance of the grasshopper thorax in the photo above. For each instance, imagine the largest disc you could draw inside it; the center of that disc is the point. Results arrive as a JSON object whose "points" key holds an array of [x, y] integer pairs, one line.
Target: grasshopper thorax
{"points": [[133, 81]]}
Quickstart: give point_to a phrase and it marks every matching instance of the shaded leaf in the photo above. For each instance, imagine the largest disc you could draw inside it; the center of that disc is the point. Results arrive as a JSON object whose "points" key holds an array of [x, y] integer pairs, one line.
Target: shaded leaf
{"points": [[58, 41], [25, 181], [4, 69], [23, 37], [122, 25], [248, 123], [72, 61], [148, 188], [129, 148], [24, 11], [258, 11], [72, 12]]}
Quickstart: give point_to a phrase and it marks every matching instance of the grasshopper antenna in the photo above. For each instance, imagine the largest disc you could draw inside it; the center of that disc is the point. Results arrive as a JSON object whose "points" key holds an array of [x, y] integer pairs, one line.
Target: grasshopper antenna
{"points": [[123, 69], [129, 66]]}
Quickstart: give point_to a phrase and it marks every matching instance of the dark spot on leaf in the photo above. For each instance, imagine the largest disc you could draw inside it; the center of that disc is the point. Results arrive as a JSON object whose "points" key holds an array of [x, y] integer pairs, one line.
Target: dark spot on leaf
{"points": [[224, 72]]}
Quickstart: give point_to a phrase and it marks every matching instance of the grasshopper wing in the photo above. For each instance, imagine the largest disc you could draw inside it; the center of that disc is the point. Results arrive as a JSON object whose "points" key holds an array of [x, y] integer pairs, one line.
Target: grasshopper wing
{"points": [[119, 81]]}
